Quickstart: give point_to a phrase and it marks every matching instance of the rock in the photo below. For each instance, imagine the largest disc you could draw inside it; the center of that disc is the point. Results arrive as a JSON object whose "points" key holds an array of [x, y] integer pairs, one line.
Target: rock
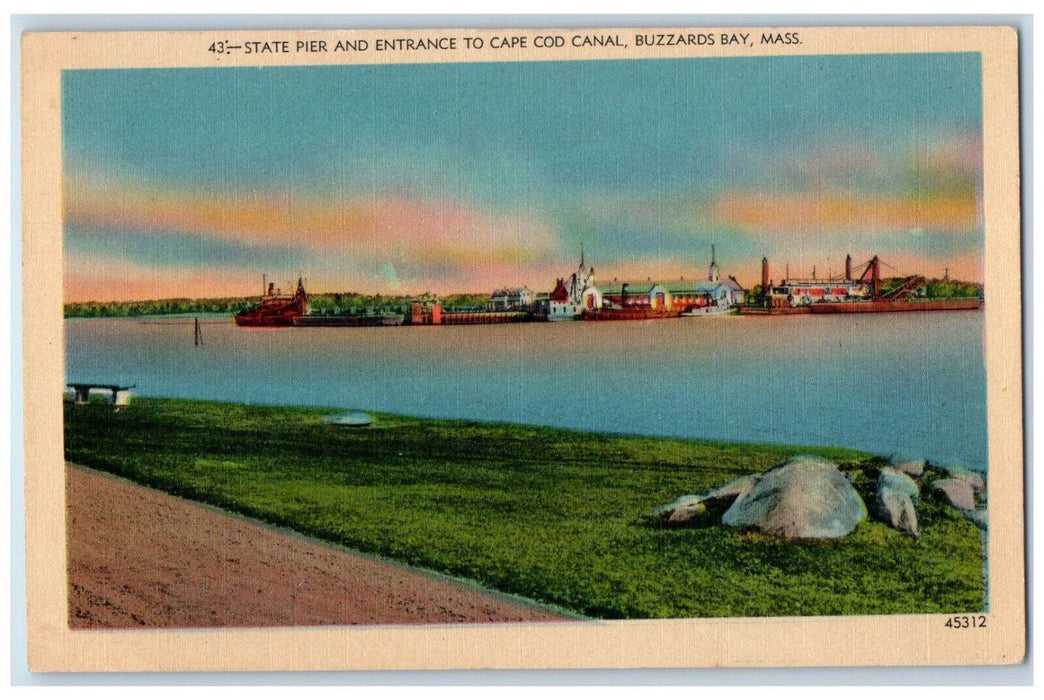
{"points": [[681, 511], [806, 498], [896, 501], [690, 509], [895, 480], [957, 493], [973, 479], [912, 469], [687, 513], [353, 419]]}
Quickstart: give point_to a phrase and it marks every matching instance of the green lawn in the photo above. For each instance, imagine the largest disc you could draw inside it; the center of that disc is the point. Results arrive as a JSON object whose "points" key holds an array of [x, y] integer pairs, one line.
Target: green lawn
{"points": [[544, 513]]}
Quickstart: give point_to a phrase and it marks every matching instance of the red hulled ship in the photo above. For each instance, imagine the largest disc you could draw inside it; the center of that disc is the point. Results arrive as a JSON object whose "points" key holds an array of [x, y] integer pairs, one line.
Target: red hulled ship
{"points": [[276, 310]]}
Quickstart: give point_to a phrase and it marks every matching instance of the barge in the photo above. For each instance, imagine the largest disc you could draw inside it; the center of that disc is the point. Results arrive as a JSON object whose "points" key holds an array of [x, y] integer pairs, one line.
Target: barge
{"points": [[379, 320], [857, 307], [629, 314], [774, 310], [467, 318]]}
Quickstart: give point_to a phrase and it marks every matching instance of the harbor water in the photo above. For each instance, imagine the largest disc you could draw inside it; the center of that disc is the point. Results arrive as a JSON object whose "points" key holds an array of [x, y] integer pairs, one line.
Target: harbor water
{"points": [[908, 385]]}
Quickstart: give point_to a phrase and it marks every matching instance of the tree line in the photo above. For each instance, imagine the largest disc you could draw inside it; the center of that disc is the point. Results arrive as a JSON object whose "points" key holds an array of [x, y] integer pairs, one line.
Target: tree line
{"points": [[325, 303]]}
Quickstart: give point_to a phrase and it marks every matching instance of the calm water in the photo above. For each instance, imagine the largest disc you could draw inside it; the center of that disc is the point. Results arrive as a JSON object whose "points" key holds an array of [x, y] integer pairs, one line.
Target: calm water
{"points": [[912, 385]]}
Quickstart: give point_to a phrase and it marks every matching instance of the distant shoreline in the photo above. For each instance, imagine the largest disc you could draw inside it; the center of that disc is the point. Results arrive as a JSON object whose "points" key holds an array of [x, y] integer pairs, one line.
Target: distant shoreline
{"points": [[355, 301]]}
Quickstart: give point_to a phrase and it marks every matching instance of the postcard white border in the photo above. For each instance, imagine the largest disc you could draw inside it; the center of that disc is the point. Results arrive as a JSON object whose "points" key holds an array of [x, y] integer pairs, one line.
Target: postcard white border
{"points": [[603, 645]]}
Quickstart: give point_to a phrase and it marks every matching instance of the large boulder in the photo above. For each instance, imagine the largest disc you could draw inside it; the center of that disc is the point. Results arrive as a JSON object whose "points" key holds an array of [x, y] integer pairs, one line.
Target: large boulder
{"points": [[957, 493], [804, 498], [896, 500]]}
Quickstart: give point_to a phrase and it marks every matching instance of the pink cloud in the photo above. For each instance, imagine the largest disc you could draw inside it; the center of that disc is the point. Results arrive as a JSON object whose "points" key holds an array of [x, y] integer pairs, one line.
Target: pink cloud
{"points": [[387, 225], [837, 213]]}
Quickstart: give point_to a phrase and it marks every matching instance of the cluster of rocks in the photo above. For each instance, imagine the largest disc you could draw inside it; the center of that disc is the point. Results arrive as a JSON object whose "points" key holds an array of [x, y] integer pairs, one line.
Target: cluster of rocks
{"points": [[810, 498]]}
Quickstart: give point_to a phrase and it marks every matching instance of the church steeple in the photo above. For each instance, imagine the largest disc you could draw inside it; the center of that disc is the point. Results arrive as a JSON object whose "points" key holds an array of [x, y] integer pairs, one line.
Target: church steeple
{"points": [[712, 271]]}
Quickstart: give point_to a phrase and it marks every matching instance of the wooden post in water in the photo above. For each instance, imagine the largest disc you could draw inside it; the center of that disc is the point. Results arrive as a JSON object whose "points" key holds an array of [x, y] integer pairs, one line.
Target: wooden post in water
{"points": [[199, 334]]}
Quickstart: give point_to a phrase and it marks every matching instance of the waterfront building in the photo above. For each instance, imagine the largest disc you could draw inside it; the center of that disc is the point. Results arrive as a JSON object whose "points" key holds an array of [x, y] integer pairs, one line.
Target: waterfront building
{"points": [[679, 296], [684, 295], [673, 296], [635, 295], [511, 299]]}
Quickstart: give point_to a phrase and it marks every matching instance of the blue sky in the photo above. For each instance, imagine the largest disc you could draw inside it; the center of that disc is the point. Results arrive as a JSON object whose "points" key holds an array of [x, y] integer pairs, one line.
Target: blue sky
{"points": [[458, 174]]}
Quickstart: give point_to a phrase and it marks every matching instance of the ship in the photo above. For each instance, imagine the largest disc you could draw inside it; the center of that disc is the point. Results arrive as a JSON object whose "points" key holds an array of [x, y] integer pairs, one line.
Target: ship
{"points": [[852, 294], [711, 310], [276, 310]]}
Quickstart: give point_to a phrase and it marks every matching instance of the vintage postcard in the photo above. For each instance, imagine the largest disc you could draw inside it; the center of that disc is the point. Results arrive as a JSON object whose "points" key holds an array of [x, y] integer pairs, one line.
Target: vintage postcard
{"points": [[563, 348]]}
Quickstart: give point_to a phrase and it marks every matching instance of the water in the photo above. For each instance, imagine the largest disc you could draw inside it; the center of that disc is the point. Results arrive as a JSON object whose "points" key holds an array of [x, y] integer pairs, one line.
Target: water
{"points": [[909, 385]]}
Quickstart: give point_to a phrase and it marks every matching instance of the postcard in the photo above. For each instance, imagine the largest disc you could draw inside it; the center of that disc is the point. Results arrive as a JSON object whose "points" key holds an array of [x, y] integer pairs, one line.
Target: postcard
{"points": [[522, 349]]}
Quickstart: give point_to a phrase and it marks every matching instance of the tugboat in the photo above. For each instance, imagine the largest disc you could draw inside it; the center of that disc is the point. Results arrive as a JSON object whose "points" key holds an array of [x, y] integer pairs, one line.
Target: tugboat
{"points": [[276, 310]]}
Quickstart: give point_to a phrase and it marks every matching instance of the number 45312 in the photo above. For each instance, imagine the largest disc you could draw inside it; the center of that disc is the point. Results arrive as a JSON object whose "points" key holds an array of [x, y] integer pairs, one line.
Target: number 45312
{"points": [[960, 622]]}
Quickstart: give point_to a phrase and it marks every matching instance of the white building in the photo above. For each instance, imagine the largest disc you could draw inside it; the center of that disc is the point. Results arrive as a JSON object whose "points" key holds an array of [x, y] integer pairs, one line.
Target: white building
{"points": [[511, 299], [570, 297]]}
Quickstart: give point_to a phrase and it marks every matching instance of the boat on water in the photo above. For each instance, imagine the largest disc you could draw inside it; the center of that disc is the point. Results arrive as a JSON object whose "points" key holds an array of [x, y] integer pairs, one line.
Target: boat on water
{"points": [[711, 310], [276, 310], [852, 295]]}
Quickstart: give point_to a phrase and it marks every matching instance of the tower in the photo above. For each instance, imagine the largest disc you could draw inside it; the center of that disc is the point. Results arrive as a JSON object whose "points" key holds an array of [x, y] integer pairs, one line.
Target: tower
{"points": [[712, 271]]}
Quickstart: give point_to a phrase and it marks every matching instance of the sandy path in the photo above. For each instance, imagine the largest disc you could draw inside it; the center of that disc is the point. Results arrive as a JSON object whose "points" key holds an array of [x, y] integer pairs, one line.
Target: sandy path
{"points": [[139, 557]]}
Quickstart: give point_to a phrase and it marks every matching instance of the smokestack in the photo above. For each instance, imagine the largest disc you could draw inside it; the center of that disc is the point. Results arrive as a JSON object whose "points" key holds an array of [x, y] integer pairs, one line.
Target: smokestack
{"points": [[848, 268], [764, 276]]}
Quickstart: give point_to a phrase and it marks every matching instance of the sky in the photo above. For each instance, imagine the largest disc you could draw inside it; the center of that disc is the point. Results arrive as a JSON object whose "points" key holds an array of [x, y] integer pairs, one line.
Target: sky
{"points": [[442, 178]]}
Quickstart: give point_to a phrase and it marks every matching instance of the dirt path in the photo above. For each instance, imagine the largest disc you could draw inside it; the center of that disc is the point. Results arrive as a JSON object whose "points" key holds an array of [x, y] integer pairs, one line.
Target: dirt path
{"points": [[139, 557]]}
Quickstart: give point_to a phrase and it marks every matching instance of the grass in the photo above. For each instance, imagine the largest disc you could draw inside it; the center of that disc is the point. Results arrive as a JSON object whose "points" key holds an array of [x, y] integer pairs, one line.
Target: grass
{"points": [[540, 512]]}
